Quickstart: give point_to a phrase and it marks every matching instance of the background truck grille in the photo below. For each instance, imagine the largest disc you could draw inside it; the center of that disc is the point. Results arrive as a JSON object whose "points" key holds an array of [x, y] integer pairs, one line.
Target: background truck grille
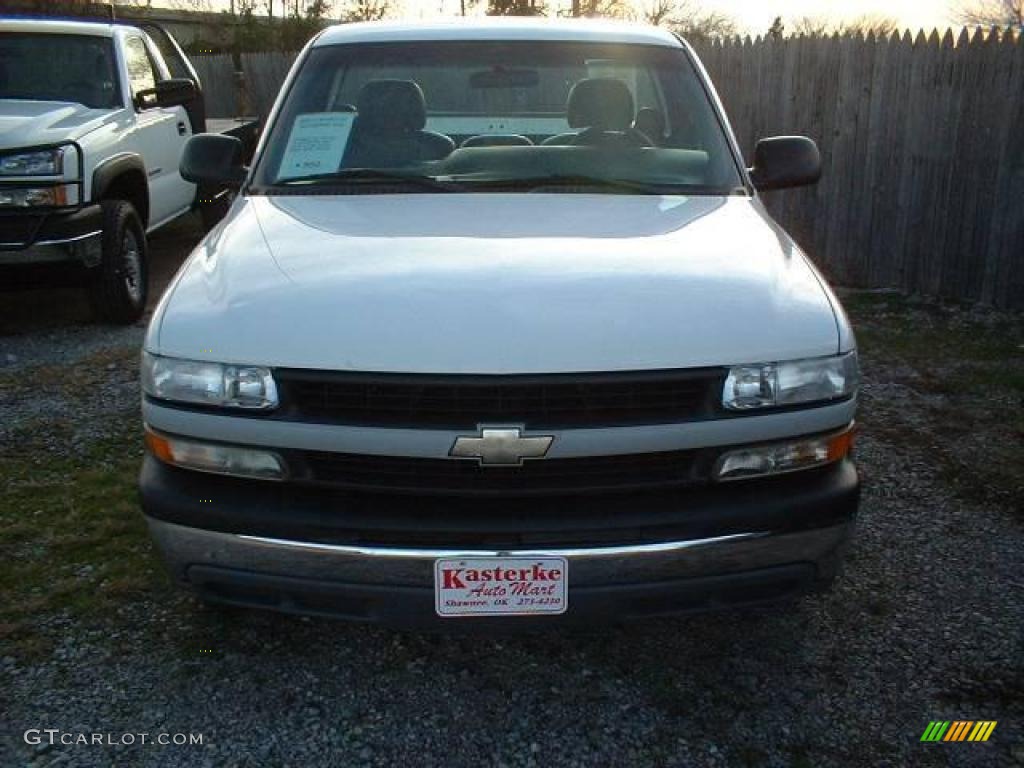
{"points": [[463, 402], [18, 230], [393, 474]]}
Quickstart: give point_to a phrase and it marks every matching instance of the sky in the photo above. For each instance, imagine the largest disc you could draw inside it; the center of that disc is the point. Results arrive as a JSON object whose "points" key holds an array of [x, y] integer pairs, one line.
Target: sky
{"points": [[757, 15], [753, 16]]}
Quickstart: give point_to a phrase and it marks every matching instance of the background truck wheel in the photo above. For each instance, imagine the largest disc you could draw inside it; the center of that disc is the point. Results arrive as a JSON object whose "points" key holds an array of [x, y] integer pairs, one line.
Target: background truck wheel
{"points": [[119, 290]]}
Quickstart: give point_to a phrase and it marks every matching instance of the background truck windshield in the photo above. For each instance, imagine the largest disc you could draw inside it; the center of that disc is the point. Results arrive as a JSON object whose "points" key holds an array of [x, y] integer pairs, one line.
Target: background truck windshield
{"points": [[76, 68], [499, 115]]}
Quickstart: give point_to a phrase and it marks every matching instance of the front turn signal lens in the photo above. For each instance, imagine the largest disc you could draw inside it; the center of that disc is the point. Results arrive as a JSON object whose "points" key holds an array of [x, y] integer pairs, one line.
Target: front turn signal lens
{"points": [[783, 457], [235, 460]]}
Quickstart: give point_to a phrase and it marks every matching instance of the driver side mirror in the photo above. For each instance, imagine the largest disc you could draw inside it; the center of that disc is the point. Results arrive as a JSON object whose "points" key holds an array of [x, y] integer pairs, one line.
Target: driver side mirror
{"points": [[168, 93], [210, 158], [781, 162]]}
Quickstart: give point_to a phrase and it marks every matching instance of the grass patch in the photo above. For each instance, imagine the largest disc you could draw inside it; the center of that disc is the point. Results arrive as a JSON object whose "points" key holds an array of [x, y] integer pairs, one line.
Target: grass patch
{"points": [[961, 375], [74, 544], [76, 381]]}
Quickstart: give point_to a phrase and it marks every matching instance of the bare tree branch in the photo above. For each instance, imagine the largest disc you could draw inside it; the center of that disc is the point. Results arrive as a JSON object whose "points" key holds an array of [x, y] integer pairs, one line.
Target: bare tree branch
{"points": [[992, 13], [191, 5], [868, 23], [659, 12], [516, 8], [612, 9], [687, 17], [367, 10]]}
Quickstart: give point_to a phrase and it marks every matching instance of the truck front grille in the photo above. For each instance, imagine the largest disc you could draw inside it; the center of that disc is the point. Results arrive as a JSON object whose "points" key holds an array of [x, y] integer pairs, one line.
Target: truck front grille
{"points": [[393, 474], [465, 401]]}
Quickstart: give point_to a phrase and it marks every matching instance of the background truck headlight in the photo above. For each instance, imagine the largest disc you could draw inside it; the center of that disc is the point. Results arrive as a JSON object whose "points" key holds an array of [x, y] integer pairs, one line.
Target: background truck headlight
{"points": [[40, 162], [203, 383], [792, 382]]}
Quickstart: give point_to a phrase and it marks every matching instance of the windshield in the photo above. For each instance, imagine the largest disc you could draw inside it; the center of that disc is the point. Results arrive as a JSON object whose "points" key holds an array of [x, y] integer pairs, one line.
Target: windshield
{"points": [[497, 116], [76, 68]]}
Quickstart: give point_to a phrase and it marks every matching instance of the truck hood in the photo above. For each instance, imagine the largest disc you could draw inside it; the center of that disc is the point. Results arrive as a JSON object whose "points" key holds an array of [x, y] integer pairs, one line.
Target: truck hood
{"points": [[31, 123], [496, 283]]}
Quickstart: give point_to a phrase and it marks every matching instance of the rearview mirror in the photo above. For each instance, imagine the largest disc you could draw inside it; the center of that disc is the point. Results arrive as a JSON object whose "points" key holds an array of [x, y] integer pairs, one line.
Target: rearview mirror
{"points": [[210, 158], [781, 162], [503, 77]]}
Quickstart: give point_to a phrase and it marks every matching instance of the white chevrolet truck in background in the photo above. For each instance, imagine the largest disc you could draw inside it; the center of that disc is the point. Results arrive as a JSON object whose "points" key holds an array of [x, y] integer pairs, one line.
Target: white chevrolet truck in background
{"points": [[94, 118]]}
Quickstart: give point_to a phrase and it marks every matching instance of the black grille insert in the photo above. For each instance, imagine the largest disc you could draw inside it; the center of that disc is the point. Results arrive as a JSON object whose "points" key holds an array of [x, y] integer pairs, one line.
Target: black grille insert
{"points": [[18, 230], [460, 476], [465, 401]]}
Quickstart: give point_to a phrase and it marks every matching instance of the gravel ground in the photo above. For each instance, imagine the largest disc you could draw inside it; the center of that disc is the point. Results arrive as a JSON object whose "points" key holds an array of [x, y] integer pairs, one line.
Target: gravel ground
{"points": [[926, 623]]}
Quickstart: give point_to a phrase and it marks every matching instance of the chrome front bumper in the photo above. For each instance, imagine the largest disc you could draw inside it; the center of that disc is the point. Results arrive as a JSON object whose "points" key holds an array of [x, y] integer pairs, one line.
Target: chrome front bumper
{"points": [[185, 548]]}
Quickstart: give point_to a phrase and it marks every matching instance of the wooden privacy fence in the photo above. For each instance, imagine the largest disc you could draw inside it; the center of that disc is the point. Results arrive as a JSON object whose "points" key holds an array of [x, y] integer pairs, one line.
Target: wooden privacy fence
{"points": [[263, 72], [922, 147], [217, 74], [922, 144]]}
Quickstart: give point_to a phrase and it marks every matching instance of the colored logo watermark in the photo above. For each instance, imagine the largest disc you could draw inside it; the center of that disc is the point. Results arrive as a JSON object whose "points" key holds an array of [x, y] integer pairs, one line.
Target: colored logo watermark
{"points": [[958, 730]]}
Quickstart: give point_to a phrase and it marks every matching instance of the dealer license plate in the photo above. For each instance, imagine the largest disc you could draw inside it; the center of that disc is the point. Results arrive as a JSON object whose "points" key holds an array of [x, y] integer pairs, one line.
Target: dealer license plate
{"points": [[501, 586]]}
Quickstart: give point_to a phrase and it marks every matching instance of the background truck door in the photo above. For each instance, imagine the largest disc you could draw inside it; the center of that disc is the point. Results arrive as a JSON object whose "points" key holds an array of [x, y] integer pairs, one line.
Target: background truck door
{"points": [[178, 65], [160, 136]]}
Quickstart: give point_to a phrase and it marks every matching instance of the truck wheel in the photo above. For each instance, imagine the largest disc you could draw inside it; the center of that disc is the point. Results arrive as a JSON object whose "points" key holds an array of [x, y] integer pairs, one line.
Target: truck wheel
{"points": [[119, 290]]}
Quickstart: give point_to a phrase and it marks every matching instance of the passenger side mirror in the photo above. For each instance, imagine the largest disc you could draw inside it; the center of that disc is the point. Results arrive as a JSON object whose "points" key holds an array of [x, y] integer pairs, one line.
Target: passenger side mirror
{"points": [[781, 162], [168, 93], [213, 159]]}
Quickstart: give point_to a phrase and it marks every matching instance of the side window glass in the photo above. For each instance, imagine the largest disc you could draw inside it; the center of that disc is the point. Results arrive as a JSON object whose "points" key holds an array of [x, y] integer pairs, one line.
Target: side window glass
{"points": [[140, 68], [175, 64]]}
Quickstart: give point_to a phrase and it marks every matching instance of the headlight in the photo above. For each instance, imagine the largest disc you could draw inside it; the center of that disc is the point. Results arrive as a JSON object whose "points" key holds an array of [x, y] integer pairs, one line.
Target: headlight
{"points": [[195, 381], [783, 457], [793, 382], [31, 197], [216, 458], [41, 162]]}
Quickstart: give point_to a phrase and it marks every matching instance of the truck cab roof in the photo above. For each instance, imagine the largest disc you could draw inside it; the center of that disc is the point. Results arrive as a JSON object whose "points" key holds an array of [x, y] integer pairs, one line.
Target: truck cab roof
{"points": [[499, 29], [59, 27]]}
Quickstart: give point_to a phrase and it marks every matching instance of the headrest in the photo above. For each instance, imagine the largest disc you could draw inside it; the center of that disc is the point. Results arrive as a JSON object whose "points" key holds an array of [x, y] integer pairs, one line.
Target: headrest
{"points": [[604, 103], [651, 123], [391, 106], [497, 140]]}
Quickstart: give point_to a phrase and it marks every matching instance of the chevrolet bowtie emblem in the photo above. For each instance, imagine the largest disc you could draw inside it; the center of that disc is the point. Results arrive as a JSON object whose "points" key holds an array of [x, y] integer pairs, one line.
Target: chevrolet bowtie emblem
{"points": [[501, 447]]}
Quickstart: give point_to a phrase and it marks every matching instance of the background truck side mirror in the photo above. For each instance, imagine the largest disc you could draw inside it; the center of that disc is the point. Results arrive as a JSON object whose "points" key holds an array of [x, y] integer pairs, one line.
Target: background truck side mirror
{"points": [[785, 161], [168, 93], [213, 159], [177, 90]]}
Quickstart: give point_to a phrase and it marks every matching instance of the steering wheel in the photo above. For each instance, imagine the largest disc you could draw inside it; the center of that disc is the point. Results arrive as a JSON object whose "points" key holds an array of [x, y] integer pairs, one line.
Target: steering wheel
{"points": [[76, 88]]}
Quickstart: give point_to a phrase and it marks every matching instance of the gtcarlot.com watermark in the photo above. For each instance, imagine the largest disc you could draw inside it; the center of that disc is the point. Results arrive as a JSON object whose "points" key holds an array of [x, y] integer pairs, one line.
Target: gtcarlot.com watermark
{"points": [[55, 736]]}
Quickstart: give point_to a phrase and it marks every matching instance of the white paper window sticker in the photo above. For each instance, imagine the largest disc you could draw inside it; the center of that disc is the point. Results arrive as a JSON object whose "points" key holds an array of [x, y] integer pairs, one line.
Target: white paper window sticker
{"points": [[316, 144]]}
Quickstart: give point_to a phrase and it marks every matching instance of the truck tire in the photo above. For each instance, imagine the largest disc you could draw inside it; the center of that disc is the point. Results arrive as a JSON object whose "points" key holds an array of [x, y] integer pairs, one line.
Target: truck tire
{"points": [[119, 289]]}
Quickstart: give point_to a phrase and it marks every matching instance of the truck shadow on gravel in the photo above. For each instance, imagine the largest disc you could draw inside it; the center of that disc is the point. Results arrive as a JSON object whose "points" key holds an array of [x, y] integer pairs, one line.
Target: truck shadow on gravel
{"points": [[65, 307]]}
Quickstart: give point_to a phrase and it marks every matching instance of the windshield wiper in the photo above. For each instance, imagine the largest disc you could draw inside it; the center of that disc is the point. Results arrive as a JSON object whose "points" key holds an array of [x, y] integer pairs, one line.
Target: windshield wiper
{"points": [[370, 176], [567, 180]]}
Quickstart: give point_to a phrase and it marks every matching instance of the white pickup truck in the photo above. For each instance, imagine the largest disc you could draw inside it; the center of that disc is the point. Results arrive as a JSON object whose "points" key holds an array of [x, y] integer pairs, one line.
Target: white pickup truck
{"points": [[94, 118], [498, 326]]}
